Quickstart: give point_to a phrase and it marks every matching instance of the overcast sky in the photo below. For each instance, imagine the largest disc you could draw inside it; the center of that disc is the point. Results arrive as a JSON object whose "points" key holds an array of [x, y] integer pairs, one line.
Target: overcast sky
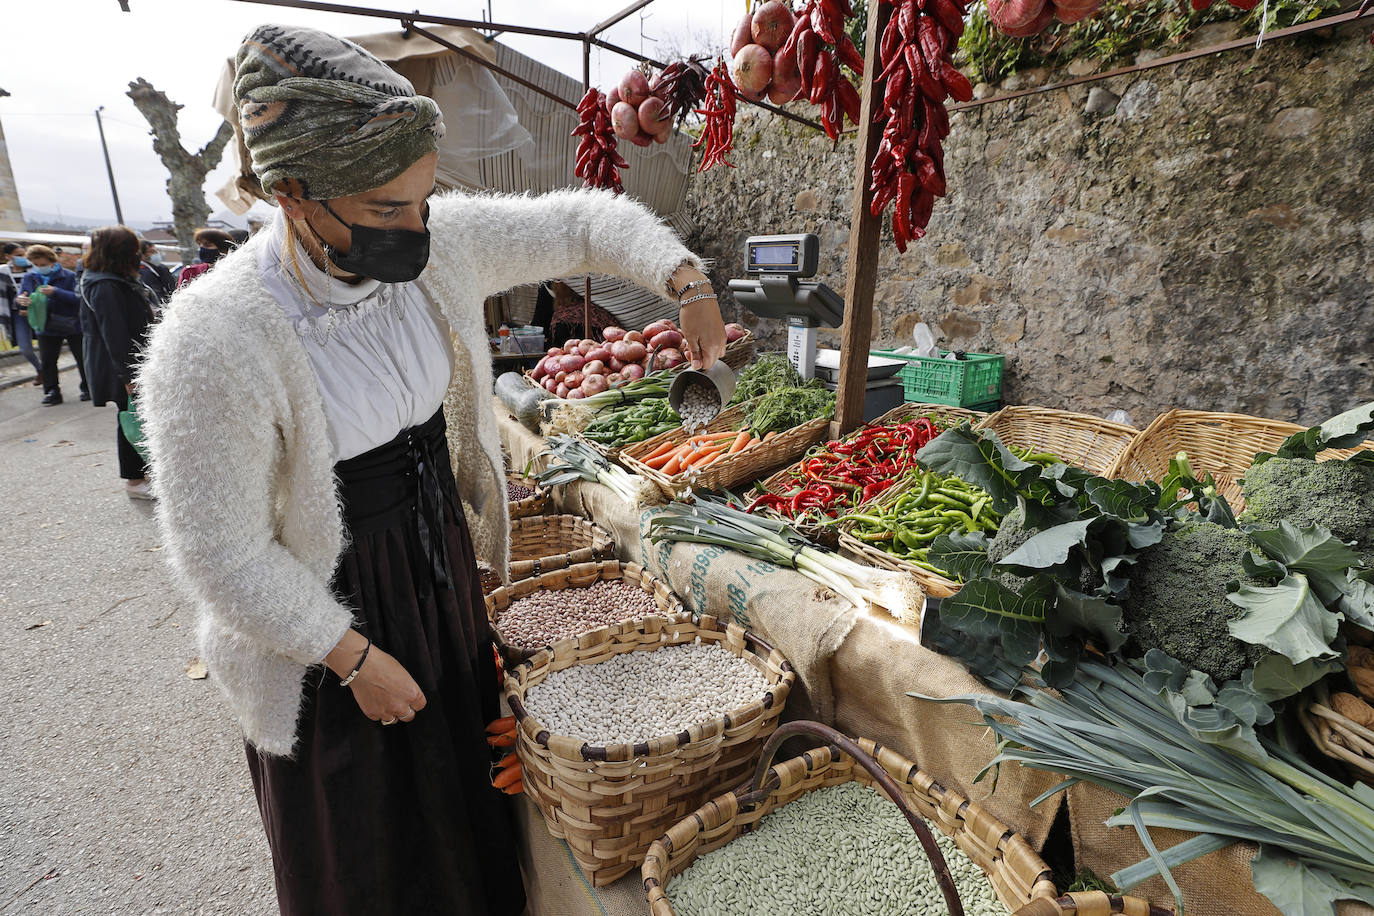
{"points": [[80, 54]]}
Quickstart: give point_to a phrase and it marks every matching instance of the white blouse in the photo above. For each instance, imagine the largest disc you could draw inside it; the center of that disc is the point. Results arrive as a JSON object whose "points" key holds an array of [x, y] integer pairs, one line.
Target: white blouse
{"points": [[380, 351]]}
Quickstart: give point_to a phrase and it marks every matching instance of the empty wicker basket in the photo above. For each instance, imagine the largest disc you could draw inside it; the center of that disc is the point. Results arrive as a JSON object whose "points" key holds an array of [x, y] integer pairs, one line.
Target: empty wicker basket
{"points": [[1016, 872], [610, 803], [1084, 441]]}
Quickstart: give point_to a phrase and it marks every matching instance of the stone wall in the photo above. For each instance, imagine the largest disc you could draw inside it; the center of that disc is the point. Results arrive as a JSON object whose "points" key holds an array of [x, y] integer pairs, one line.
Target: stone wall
{"points": [[1198, 235]]}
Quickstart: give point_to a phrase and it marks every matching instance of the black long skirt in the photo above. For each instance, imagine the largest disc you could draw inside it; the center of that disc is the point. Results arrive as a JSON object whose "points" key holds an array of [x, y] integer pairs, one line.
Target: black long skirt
{"points": [[398, 819]]}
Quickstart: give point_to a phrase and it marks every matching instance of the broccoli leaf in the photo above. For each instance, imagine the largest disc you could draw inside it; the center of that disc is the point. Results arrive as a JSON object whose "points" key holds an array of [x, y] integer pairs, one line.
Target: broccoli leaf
{"points": [[1357, 597], [1286, 617], [1077, 612], [1050, 547], [1276, 677], [1315, 551], [963, 555], [1298, 889], [984, 608], [1243, 702], [1262, 567], [985, 462], [1345, 430]]}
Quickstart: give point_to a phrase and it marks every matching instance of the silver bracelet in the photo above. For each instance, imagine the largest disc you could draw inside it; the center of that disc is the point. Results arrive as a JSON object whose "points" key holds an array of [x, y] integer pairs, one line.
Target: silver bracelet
{"points": [[695, 284], [696, 299]]}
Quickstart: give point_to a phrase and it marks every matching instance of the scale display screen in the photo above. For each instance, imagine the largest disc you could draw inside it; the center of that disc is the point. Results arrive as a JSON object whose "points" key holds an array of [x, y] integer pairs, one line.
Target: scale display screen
{"points": [[796, 255]]}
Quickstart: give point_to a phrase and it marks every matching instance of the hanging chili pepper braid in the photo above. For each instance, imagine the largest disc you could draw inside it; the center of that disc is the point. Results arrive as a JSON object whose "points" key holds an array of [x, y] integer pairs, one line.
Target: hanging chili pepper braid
{"points": [[718, 133], [918, 75], [821, 45], [598, 163], [682, 85]]}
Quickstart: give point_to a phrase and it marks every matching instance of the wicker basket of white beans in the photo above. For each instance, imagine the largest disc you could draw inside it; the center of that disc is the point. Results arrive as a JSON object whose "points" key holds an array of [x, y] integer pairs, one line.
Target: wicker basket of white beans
{"points": [[820, 833], [625, 730], [541, 610]]}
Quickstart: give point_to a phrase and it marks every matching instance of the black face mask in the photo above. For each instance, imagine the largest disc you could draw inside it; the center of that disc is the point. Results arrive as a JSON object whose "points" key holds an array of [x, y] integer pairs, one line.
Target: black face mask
{"points": [[388, 255], [208, 255]]}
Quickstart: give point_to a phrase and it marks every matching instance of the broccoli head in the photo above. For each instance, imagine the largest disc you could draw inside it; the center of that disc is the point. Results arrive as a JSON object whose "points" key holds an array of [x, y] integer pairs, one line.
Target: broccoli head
{"points": [[1338, 495], [1177, 599], [1011, 534]]}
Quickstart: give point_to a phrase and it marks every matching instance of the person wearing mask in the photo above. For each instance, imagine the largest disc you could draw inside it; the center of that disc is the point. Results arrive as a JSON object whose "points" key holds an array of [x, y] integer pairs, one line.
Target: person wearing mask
{"points": [[212, 244], [63, 323], [155, 274], [117, 312], [9, 290], [308, 492], [16, 266]]}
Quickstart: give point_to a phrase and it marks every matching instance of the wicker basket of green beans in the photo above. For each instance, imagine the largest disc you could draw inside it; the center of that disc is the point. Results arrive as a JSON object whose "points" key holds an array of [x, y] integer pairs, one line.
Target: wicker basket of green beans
{"points": [[896, 530], [849, 827], [614, 429]]}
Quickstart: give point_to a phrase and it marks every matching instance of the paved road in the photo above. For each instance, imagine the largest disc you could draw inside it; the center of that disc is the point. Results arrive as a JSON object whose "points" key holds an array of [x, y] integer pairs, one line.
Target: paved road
{"points": [[123, 787]]}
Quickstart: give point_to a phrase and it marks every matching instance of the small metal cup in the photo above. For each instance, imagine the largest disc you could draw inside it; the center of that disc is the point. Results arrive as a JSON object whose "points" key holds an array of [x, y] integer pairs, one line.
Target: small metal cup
{"points": [[720, 377]]}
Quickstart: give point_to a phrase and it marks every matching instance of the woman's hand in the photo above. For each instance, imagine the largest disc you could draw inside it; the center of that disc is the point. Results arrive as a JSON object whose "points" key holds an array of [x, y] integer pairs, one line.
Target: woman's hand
{"points": [[22, 300], [46, 290], [703, 331], [383, 689]]}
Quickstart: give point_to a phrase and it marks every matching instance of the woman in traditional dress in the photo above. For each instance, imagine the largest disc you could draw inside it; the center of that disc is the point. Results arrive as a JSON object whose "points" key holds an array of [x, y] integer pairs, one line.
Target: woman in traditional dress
{"points": [[300, 403]]}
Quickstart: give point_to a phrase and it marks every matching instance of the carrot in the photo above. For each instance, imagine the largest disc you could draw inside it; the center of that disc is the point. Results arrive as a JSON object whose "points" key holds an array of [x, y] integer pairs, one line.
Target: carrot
{"points": [[507, 777], [770, 435], [501, 726], [740, 441], [659, 461], [507, 760], [706, 457], [506, 740], [517, 788], [663, 449], [674, 464]]}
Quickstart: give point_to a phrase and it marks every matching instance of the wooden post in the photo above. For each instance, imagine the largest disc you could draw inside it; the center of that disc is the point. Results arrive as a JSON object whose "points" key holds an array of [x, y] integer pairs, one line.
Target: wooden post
{"points": [[864, 231]]}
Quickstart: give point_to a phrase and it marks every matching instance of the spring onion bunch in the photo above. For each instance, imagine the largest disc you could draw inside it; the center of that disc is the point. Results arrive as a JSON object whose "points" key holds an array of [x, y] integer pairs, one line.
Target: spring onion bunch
{"points": [[711, 521], [1109, 727], [571, 416], [577, 461]]}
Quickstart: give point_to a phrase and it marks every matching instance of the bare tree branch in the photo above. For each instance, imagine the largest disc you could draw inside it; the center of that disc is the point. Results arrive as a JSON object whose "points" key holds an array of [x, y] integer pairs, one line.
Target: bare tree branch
{"points": [[186, 184]]}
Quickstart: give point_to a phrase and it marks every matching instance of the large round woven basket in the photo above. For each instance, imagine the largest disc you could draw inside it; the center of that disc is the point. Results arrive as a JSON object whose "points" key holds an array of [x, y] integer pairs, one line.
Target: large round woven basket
{"points": [[1079, 439], [580, 575], [1225, 444], [1092, 903], [534, 504], [1015, 870], [610, 803]]}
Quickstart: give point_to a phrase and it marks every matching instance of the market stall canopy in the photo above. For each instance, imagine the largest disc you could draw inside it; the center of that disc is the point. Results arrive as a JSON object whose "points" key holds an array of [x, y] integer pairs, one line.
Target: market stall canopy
{"points": [[501, 136]]}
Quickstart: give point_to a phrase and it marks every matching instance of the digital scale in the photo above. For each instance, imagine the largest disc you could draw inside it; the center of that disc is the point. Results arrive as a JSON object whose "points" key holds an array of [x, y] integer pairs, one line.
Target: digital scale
{"points": [[778, 285]]}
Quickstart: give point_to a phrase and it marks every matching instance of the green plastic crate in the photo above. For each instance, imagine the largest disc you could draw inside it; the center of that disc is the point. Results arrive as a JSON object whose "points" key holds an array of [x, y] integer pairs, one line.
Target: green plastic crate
{"points": [[967, 382]]}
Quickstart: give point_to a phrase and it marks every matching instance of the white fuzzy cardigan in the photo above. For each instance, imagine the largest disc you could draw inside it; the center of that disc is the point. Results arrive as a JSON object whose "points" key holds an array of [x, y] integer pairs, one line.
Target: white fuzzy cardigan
{"points": [[235, 424]]}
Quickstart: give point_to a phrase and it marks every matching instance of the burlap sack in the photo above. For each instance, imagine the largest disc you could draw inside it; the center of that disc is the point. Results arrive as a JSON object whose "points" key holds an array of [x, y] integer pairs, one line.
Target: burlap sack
{"points": [[872, 672], [1218, 884], [555, 886]]}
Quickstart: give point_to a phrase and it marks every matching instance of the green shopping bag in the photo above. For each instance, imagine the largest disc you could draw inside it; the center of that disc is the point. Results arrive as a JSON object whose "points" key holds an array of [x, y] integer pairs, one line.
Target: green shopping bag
{"points": [[38, 311], [132, 427]]}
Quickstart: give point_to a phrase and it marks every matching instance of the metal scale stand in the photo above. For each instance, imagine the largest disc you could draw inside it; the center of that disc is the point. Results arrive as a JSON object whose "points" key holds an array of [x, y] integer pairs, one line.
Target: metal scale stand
{"points": [[778, 285]]}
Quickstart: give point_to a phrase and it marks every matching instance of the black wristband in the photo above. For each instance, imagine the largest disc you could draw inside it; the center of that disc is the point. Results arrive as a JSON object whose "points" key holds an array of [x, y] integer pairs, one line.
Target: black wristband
{"points": [[358, 667]]}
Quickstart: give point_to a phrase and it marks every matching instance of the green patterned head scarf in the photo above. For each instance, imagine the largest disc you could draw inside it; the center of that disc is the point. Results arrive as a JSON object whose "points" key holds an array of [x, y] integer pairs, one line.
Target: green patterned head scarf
{"points": [[323, 118]]}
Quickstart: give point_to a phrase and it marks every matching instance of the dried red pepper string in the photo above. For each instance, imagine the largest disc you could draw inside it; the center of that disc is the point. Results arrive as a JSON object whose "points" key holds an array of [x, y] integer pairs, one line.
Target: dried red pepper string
{"points": [[916, 54], [598, 161], [718, 109], [821, 45]]}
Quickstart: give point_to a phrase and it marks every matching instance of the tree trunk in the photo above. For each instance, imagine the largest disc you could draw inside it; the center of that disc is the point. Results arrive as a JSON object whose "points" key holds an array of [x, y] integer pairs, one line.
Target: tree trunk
{"points": [[186, 186]]}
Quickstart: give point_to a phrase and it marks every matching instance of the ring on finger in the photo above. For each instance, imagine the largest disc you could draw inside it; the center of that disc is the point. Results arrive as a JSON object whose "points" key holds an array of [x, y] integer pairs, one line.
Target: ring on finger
{"points": [[392, 721], [408, 716]]}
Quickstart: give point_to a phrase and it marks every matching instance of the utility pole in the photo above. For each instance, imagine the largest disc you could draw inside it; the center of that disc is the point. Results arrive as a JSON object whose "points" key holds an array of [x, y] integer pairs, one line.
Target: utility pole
{"points": [[109, 169]]}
